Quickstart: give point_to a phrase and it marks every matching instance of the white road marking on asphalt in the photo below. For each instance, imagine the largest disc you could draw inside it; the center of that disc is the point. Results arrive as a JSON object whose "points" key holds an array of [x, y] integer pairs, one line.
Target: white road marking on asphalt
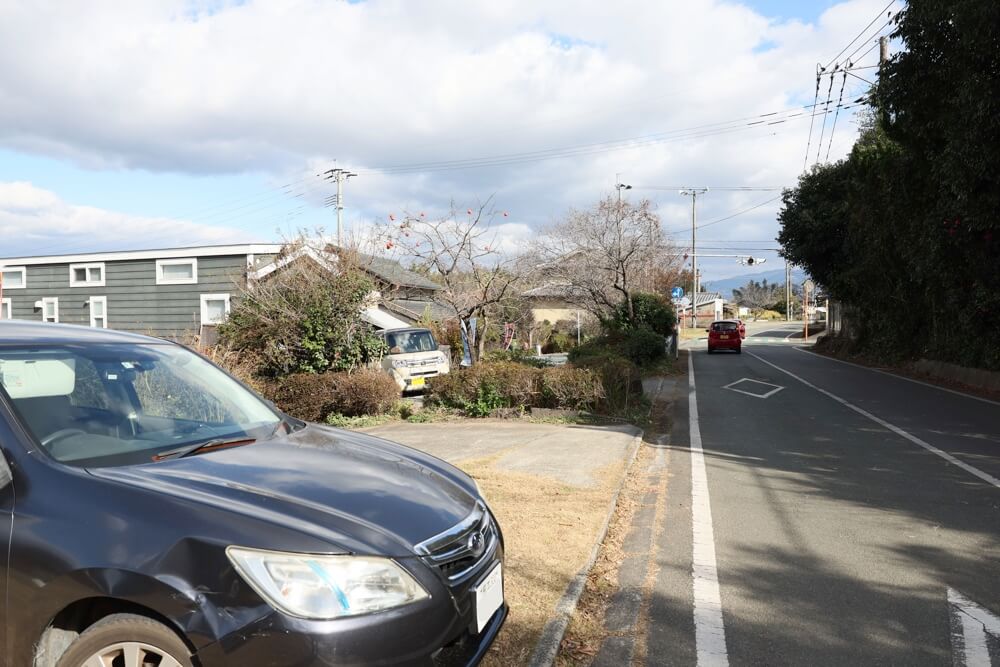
{"points": [[731, 387], [969, 625], [900, 377], [895, 429], [709, 629]]}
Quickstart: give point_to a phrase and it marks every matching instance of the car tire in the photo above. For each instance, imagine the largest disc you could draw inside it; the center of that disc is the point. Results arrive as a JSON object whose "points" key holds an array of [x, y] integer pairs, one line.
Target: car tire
{"points": [[112, 636], [710, 350], [739, 350]]}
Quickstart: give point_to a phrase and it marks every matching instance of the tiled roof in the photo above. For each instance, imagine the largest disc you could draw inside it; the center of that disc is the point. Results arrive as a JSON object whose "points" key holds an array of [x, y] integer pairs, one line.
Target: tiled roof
{"points": [[393, 273]]}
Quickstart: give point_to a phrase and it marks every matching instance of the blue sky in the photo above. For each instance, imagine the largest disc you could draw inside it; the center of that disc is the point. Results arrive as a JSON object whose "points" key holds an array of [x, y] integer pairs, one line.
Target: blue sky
{"points": [[184, 161]]}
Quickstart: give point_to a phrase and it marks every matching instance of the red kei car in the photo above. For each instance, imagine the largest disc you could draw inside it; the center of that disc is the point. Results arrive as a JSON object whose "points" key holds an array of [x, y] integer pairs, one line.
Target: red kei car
{"points": [[725, 335]]}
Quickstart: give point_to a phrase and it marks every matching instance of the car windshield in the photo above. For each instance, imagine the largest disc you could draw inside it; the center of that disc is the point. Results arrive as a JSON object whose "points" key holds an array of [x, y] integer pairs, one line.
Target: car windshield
{"points": [[406, 342], [724, 326], [111, 405]]}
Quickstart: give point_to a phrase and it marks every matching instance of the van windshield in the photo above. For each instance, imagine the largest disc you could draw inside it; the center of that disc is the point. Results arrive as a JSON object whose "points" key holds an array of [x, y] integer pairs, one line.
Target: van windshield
{"points": [[110, 405], [406, 342]]}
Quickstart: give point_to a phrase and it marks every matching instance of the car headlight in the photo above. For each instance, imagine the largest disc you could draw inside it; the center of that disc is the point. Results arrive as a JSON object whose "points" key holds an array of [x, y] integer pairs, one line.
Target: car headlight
{"points": [[326, 587]]}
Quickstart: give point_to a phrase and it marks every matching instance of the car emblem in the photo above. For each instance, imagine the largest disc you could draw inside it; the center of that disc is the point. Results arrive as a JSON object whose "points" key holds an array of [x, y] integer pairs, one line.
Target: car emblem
{"points": [[476, 544]]}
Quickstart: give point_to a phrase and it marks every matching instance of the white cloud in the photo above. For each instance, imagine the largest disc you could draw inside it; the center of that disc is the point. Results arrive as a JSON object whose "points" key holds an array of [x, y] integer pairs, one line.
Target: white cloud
{"points": [[34, 221], [282, 86]]}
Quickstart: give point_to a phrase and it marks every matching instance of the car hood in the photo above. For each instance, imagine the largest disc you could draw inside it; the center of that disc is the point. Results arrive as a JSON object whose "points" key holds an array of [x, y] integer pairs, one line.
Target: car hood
{"points": [[357, 493]]}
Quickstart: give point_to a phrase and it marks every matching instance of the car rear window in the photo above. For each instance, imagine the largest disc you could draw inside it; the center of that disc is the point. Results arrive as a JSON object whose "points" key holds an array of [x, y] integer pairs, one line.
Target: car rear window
{"points": [[724, 326]]}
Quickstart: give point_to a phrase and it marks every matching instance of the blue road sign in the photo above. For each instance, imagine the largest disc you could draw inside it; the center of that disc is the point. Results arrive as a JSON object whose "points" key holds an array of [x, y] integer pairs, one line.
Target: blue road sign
{"points": [[677, 293]]}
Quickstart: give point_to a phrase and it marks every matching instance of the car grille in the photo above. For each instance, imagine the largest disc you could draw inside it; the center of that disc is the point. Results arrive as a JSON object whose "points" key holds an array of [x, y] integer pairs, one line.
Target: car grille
{"points": [[460, 552]]}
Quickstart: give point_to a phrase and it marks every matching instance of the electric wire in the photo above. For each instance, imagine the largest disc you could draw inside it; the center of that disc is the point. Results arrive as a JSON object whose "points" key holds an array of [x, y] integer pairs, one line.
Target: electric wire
{"points": [[863, 31], [833, 129], [829, 92], [805, 160]]}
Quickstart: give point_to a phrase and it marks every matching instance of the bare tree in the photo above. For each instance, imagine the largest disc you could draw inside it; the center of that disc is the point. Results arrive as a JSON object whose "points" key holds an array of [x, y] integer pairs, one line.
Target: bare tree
{"points": [[604, 255], [461, 252], [757, 296]]}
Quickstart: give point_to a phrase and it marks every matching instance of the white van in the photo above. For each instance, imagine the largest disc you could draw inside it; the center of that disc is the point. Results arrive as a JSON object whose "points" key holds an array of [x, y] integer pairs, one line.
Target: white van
{"points": [[413, 357]]}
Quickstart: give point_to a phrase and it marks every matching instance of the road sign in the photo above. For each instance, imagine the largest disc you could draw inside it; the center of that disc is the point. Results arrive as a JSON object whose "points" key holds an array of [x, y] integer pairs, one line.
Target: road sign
{"points": [[808, 285], [677, 292], [683, 302]]}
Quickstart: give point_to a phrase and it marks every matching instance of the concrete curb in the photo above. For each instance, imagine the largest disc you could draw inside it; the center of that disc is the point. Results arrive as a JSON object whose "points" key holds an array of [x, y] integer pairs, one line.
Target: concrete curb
{"points": [[552, 635]]}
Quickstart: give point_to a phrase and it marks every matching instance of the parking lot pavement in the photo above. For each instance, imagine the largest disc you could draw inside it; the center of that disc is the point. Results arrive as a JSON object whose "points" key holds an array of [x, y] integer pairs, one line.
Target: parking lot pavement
{"points": [[572, 454]]}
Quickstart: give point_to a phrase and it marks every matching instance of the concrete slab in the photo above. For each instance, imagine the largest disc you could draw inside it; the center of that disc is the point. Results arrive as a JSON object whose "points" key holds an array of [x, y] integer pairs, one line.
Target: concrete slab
{"points": [[572, 454]]}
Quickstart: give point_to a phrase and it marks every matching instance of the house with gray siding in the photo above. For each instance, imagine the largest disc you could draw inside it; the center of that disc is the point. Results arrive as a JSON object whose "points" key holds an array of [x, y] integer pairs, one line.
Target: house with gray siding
{"points": [[169, 292]]}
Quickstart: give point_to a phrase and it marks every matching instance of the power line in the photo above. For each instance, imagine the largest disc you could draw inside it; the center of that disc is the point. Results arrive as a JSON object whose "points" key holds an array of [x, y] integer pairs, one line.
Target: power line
{"points": [[836, 115], [863, 31], [715, 188], [698, 131], [805, 160], [872, 83], [725, 217], [876, 35], [829, 90]]}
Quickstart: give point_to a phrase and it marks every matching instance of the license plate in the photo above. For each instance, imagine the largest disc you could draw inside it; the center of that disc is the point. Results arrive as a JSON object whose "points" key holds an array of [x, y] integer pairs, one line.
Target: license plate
{"points": [[724, 337], [417, 382], [489, 597]]}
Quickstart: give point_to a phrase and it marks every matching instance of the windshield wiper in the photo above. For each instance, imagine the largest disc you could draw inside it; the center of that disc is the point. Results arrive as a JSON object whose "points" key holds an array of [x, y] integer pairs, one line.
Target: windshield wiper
{"points": [[214, 443]]}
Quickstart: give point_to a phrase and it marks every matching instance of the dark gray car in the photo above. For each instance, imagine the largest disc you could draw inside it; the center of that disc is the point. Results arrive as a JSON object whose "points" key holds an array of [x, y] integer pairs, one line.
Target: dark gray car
{"points": [[163, 514]]}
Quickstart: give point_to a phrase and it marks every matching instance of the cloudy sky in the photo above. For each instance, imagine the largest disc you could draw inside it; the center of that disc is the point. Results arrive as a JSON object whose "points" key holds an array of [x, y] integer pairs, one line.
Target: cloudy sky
{"points": [[177, 122]]}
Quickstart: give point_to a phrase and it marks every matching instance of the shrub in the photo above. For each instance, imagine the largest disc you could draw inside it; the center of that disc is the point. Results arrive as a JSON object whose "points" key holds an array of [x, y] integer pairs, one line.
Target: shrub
{"points": [[303, 319], [491, 386], [308, 396], [651, 311], [643, 347], [517, 356], [315, 396], [571, 388], [364, 392], [640, 346], [621, 381]]}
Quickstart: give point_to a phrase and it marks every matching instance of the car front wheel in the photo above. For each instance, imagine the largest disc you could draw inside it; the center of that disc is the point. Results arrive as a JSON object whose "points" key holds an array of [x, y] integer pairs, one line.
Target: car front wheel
{"points": [[126, 640]]}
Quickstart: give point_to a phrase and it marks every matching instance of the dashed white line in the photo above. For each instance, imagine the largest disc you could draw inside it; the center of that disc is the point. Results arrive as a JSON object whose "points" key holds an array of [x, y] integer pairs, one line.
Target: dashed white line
{"points": [[972, 470], [709, 629]]}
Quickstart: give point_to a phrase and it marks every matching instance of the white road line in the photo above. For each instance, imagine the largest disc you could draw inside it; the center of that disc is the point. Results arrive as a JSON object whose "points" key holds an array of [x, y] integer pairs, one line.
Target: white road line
{"points": [[900, 377], [709, 630], [970, 624], [895, 429]]}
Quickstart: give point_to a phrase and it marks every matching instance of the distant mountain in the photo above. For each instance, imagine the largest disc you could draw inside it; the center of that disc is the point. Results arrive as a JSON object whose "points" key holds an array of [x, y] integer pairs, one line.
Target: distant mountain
{"points": [[727, 285]]}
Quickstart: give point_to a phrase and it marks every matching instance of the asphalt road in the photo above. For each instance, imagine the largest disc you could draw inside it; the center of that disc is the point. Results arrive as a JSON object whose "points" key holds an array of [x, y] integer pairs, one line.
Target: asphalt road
{"points": [[840, 513]]}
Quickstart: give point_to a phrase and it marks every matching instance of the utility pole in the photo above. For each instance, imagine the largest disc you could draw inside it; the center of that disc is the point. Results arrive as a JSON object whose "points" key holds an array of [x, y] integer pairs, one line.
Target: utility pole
{"points": [[883, 49], [693, 193], [788, 292], [340, 175]]}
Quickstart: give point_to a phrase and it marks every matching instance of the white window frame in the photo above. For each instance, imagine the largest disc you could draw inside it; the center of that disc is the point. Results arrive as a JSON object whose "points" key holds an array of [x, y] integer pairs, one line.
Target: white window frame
{"points": [[16, 269], [10, 307], [205, 298], [90, 306], [193, 280], [54, 300], [73, 282]]}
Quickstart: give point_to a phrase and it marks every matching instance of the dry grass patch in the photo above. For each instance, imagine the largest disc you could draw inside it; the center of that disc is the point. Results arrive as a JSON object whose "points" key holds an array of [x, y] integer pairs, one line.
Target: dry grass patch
{"points": [[549, 530], [586, 632]]}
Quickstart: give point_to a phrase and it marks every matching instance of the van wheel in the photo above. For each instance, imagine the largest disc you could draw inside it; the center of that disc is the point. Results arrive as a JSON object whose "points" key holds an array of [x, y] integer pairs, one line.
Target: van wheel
{"points": [[127, 640]]}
